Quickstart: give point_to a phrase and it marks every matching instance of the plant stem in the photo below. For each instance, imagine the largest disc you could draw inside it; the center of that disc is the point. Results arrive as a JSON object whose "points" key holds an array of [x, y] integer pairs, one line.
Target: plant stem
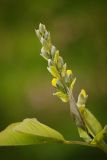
{"points": [[102, 146], [75, 112], [80, 143]]}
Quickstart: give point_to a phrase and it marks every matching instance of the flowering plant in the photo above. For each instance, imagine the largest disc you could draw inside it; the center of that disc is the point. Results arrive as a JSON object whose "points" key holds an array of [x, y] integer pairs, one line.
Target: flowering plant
{"points": [[89, 128], [31, 131]]}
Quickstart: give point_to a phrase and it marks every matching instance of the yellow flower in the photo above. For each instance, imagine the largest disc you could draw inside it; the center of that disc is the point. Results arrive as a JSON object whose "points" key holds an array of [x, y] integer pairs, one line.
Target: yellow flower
{"points": [[69, 72], [54, 82], [83, 93]]}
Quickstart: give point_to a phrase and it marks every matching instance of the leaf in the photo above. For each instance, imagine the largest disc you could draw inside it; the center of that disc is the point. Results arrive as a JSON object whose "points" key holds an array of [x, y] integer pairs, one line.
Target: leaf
{"points": [[83, 134], [27, 132], [99, 137], [62, 96], [92, 124]]}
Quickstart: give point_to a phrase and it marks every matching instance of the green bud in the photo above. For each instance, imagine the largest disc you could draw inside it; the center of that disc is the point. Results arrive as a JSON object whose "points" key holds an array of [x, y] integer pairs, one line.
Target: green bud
{"points": [[60, 62], [53, 71], [60, 85], [72, 84], [68, 76], [63, 72], [56, 57], [82, 98]]}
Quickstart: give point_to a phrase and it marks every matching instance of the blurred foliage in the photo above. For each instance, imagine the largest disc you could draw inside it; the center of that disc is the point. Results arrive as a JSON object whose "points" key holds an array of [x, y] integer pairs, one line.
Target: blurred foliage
{"points": [[79, 29]]}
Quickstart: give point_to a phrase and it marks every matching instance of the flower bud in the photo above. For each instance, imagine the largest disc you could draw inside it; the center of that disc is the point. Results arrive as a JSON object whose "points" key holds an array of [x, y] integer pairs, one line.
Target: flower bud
{"points": [[54, 72], [72, 84], [44, 53], [47, 35], [82, 98], [38, 34], [54, 82], [83, 93], [43, 41], [63, 73], [56, 57], [60, 62], [42, 28], [57, 83], [53, 50], [50, 62], [69, 72]]}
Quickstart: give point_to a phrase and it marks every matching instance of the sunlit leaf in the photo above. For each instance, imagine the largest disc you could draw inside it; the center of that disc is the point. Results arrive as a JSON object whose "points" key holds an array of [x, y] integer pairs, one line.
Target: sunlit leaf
{"points": [[27, 132], [99, 137], [84, 135], [92, 124]]}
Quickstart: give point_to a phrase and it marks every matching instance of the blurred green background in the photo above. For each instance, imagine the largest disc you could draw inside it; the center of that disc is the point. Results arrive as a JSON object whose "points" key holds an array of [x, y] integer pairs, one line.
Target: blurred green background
{"points": [[79, 30]]}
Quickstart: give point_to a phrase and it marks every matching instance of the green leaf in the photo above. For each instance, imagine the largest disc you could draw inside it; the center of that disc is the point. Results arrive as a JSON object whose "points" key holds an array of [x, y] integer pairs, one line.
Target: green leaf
{"points": [[62, 96], [83, 134], [27, 132], [92, 124], [99, 137]]}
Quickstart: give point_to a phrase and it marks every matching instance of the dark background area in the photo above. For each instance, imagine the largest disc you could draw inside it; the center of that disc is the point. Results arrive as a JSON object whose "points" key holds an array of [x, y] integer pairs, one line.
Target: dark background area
{"points": [[79, 30]]}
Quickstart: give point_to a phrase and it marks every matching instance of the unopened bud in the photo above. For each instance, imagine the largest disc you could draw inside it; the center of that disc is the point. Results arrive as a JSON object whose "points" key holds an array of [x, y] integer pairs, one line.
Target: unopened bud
{"points": [[63, 73], [44, 53], [69, 72], [82, 98], [53, 50], [42, 28], [68, 76], [60, 62], [43, 41], [46, 35], [38, 34], [50, 62]]}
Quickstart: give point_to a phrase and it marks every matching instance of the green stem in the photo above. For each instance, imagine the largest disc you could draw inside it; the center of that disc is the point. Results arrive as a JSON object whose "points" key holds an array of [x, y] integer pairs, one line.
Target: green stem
{"points": [[75, 112], [103, 146], [80, 143]]}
